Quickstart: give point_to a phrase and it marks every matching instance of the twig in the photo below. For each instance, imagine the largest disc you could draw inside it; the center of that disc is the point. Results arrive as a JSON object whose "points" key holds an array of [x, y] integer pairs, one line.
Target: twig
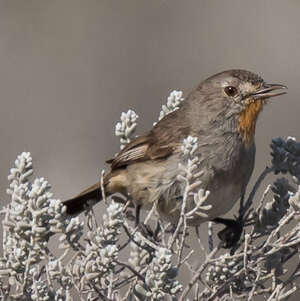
{"points": [[199, 240], [288, 293], [247, 237], [210, 236], [147, 241], [102, 187], [275, 292], [131, 270], [249, 201], [182, 212], [254, 285], [198, 273], [282, 222], [150, 213], [183, 236], [110, 285]]}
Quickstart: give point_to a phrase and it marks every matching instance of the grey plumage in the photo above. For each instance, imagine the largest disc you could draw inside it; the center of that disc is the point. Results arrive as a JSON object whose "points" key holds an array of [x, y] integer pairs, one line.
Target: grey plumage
{"points": [[221, 112]]}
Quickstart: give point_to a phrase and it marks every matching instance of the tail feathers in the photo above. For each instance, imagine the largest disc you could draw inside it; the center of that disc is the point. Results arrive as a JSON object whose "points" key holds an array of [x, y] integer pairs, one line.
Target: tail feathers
{"points": [[86, 198]]}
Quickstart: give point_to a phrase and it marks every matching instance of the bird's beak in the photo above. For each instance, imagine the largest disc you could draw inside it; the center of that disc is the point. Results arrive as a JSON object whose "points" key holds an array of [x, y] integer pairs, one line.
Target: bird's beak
{"points": [[268, 91]]}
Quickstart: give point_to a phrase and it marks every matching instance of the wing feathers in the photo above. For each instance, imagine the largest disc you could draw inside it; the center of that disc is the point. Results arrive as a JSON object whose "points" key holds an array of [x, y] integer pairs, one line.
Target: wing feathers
{"points": [[164, 139]]}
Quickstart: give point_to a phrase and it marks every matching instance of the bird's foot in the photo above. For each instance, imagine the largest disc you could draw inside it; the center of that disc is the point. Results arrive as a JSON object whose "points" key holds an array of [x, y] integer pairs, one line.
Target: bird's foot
{"points": [[153, 235], [231, 234]]}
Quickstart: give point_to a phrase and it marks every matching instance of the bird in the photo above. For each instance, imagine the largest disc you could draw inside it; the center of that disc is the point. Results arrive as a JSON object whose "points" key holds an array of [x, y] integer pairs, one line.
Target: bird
{"points": [[221, 112]]}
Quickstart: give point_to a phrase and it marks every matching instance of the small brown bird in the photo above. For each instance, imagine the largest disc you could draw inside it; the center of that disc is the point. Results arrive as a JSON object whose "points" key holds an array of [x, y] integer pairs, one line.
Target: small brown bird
{"points": [[221, 112]]}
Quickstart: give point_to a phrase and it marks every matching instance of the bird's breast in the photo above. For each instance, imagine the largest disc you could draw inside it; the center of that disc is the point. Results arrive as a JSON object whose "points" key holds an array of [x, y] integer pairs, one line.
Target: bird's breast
{"points": [[247, 120]]}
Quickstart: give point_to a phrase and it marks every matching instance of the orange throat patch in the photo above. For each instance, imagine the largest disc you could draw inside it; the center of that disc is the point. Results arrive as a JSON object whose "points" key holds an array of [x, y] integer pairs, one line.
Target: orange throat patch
{"points": [[247, 120]]}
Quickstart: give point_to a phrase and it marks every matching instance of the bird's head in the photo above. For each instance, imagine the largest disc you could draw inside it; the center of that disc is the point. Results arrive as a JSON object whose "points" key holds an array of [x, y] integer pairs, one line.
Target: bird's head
{"points": [[243, 94]]}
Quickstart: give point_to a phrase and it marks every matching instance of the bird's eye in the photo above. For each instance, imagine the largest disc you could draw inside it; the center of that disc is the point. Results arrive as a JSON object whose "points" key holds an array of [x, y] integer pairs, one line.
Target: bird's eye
{"points": [[231, 91]]}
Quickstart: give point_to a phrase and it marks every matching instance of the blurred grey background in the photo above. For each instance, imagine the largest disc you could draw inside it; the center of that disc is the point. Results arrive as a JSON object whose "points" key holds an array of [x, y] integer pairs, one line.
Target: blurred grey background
{"points": [[68, 68]]}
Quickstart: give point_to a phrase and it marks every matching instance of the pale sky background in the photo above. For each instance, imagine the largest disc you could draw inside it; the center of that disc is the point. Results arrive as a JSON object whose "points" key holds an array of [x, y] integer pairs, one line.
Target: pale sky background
{"points": [[68, 68]]}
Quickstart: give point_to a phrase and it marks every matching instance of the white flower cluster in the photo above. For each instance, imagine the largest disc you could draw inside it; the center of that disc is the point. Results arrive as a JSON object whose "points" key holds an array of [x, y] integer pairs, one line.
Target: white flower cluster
{"points": [[40, 291], [60, 273], [190, 175], [112, 221], [62, 295], [29, 221], [26, 221], [294, 201], [71, 231], [28, 266], [126, 127], [222, 270], [275, 209], [189, 146], [100, 254], [140, 254], [160, 278], [173, 102]]}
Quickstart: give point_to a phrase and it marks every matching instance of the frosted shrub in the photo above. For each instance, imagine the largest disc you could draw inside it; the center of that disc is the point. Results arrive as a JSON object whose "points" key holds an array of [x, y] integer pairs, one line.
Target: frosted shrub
{"points": [[111, 259]]}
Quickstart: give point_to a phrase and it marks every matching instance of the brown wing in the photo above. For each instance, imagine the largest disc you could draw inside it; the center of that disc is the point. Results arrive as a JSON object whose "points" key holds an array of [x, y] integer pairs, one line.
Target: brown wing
{"points": [[141, 149], [133, 151], [165, 138]]}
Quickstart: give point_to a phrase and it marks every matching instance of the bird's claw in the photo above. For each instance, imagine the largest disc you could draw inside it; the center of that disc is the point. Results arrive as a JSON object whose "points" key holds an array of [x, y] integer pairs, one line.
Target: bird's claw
{"points": [[231, 234]]}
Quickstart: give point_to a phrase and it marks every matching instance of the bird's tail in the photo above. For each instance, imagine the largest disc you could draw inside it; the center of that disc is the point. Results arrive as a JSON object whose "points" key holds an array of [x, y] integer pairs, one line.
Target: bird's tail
{"points": [[86, 198]]}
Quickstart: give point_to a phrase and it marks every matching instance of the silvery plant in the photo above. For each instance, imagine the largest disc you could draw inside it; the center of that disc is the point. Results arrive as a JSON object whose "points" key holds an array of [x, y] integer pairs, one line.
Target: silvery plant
{"points": [[108, 258]]}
